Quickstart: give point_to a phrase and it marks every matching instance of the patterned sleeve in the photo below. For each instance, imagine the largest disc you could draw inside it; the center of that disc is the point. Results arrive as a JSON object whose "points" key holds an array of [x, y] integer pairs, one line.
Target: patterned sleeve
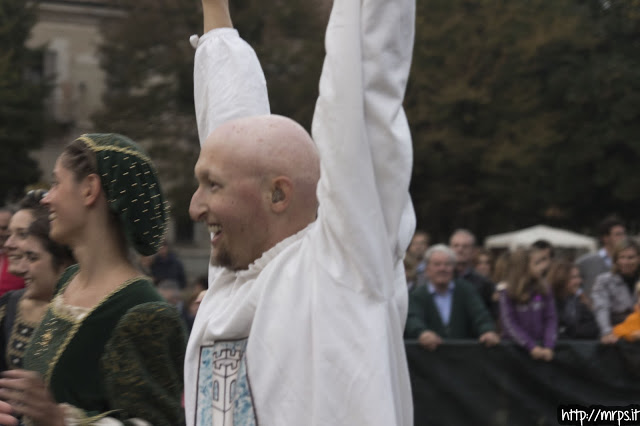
{"points": [[143, 364]]}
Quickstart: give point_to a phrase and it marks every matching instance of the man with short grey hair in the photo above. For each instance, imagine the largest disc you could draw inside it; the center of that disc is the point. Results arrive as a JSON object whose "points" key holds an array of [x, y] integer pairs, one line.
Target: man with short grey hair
{"points": [[447, 307]]}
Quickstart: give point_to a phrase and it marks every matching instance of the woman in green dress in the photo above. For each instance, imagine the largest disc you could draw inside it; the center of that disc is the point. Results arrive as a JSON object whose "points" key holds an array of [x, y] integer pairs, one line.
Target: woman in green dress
{"points": [[109, 350]]}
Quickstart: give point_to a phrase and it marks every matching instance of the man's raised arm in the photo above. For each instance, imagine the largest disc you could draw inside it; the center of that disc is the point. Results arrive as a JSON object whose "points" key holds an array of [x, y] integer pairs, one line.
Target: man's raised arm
{"points": [[228, 79], [215, 14], [364, 140]]}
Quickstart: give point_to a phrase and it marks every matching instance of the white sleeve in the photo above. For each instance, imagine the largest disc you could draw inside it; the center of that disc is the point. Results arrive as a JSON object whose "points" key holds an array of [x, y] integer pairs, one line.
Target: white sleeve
{"points": [[228, 82], [365, 143]]}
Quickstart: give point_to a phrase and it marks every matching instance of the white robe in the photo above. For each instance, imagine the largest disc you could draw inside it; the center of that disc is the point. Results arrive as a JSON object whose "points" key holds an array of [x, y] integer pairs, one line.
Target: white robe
{"points": [[311, 333]]}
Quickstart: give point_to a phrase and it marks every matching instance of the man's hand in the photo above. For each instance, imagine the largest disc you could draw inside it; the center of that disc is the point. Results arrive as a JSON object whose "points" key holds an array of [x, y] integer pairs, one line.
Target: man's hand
{"points": [[609, 339], [216, 14], [429, 340], [490, 338], [28, 395]]}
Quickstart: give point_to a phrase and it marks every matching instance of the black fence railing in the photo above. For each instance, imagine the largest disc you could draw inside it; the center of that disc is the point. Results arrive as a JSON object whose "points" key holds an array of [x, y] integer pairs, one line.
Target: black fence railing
{"points": [[465, 383]]}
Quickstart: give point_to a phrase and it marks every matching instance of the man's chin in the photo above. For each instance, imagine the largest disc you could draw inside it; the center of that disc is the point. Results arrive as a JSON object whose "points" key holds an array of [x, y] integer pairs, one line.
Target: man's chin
{"points": [[221, 260]]}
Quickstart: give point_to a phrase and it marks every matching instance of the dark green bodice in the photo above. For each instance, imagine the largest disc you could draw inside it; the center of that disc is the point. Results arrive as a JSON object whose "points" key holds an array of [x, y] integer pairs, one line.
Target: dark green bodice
{"points": [[123, 358]]}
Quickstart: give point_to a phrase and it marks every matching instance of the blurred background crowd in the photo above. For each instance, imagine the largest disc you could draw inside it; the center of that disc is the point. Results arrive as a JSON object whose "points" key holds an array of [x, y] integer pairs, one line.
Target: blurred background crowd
{"points": [[531, 295], [520, 113]]}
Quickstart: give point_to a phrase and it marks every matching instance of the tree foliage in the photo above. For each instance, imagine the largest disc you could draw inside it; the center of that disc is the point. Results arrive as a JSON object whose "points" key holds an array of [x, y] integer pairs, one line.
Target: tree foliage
{"points": [[598, 96], [149, 67], [523, 112], [22, 94]]}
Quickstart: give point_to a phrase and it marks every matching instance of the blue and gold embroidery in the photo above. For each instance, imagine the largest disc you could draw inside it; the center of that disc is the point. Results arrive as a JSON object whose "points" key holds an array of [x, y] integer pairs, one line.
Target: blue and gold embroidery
{"points": [[224, 394]]}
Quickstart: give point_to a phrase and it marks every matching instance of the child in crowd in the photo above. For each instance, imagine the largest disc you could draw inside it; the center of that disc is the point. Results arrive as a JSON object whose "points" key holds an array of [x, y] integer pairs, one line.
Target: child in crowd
{"points": [[527, 308], [629, 329]]}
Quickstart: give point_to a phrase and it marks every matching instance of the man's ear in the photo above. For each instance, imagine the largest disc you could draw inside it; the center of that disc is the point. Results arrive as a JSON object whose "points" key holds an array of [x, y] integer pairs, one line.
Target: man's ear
{"points": [[281, 193], [277, 195], [91, 189]]}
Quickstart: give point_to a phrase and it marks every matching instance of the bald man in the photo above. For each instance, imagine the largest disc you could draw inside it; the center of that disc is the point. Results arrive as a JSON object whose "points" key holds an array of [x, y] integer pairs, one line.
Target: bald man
{"points": [[303, 320]]}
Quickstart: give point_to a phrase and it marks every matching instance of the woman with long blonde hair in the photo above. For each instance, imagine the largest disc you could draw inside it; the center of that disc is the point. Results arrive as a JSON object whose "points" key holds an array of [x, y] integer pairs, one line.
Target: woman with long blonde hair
{"points": [[527, 309]]}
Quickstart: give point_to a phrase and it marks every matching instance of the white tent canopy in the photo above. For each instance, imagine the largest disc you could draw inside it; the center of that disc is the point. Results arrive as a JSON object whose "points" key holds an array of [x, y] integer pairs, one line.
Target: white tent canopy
{"points": [[557, 237]]}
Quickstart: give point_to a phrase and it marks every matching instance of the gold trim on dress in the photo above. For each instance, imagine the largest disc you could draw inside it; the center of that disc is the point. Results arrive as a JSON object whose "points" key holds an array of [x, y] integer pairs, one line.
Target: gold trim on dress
{"points": [[77, 416], [77, 322], [95, 147], [74, 416]]}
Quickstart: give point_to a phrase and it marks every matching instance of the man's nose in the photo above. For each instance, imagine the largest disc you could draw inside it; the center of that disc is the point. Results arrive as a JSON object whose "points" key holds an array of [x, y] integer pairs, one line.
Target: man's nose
{"points": [[196, 208]]}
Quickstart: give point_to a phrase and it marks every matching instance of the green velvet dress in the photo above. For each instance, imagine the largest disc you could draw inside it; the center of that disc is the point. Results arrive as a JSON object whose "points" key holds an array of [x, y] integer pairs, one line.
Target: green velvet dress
{"points": [[121, 359]]}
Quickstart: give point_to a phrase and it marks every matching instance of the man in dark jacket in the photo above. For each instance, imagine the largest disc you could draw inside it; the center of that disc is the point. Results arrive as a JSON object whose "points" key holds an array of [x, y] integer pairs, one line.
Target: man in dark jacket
{"points": [[447, 308], [463, 244], [167, 266]]}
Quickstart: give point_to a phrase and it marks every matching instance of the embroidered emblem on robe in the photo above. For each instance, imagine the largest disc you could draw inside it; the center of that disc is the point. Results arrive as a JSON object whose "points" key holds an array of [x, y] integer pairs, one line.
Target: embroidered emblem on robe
{"points": [[224, 394]]}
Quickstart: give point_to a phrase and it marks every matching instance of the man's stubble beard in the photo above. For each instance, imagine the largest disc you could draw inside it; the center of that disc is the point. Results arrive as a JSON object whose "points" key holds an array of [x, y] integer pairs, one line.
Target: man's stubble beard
{"points": [[221, 259]]}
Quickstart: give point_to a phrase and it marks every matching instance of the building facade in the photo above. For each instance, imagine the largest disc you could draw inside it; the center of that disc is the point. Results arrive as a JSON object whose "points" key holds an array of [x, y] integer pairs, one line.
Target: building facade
{"points": [[70, 32]]}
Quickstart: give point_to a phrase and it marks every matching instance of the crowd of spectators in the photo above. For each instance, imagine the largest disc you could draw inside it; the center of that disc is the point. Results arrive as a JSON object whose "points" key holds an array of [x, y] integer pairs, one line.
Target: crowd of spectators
{"points": [[530, 296], [458, 291], [167, 271]]}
